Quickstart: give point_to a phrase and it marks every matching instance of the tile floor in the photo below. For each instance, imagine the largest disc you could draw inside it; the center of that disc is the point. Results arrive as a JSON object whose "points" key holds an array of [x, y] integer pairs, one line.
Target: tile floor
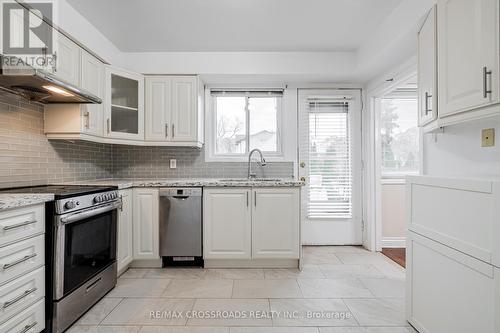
{"points": [[341, 289]]}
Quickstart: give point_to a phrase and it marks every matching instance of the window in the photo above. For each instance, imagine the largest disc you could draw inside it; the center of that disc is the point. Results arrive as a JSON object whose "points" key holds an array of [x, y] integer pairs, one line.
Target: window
{"points": [[330, 177], [399, 136], [244, 121]]}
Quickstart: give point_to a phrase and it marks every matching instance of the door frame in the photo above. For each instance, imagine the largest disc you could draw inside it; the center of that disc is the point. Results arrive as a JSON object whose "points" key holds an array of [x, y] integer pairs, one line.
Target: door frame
{"points": [[376, 89], [357, 170]]}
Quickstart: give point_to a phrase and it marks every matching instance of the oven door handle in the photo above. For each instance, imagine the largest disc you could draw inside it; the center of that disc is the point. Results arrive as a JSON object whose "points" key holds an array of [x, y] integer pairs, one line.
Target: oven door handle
{"points": [[89, 213]]}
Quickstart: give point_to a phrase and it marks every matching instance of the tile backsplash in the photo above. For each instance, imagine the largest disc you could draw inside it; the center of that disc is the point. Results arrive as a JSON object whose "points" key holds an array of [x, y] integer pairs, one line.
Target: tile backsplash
{"points": [[27, 158], [154, 162]]}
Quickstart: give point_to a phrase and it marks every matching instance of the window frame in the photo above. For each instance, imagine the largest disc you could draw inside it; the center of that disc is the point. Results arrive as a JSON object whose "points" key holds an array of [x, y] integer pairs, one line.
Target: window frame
{"points": [[395, 175], [211, 130]]}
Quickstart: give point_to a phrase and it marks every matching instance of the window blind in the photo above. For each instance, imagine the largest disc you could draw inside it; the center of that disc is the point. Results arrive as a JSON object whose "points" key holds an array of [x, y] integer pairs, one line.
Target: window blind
{"points": [[330, 176], [249, 92]]}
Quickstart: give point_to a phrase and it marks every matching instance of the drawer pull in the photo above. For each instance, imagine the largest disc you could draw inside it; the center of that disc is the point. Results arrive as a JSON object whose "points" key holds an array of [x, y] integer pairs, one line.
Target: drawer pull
{"points": [[19, 261], [18, 298], [19, 225], [28, 327]]}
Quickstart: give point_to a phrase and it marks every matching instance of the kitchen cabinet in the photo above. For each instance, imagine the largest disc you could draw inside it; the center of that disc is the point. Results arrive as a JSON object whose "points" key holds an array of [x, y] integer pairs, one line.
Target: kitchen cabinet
{"points": [[246, 223], [227, 225], [79, 121], [146, 223], [124, 104], [427, 70], [468, 33], [67, 59], [125, 234], [275, 223], [174, 110], [92, 80]]}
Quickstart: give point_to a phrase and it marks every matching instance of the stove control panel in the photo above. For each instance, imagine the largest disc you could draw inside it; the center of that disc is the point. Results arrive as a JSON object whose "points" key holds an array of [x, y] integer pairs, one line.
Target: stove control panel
{"points": [[68, 205]]}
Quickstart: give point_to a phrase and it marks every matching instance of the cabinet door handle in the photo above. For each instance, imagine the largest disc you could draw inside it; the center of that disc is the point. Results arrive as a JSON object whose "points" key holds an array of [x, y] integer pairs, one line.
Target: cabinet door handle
{"points": [[19, 261], [427, 109], [247, 198], [166, 130], [486, 73], [108, 125], [54, 62], [87, 119], [13, 301], [173, 130], [28, 327], [19, 225], [255, 199]]}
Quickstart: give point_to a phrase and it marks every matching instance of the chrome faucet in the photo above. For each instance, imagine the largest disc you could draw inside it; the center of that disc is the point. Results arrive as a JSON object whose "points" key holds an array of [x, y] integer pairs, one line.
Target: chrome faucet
{"points": [[261, 163]]}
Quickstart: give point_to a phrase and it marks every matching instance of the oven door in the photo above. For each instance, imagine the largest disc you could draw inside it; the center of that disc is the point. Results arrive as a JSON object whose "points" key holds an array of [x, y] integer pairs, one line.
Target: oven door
{"points": [[85, 245]]}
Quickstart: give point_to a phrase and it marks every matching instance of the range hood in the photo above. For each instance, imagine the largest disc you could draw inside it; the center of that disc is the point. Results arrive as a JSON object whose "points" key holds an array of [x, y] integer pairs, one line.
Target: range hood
{"points": [[40, 86]]}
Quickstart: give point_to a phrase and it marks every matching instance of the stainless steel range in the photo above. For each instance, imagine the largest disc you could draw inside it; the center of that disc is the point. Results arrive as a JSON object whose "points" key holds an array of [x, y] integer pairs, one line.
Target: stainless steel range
{"points": [[80, 250]]}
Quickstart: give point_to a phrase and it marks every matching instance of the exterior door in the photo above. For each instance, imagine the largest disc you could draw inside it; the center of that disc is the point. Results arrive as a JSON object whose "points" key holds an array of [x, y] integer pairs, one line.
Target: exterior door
{"points": [[330, 164], [227, 223], [468, 54]]}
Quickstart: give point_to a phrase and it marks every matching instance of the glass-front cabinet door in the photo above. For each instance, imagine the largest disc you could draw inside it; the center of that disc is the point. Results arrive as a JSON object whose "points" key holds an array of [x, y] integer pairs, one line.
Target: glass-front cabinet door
{"points": [[125, 105]]}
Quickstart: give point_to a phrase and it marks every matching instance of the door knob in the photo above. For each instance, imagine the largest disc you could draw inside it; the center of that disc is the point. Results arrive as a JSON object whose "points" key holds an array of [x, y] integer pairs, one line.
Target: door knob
{"points": [[302, 164], [302, 179]]}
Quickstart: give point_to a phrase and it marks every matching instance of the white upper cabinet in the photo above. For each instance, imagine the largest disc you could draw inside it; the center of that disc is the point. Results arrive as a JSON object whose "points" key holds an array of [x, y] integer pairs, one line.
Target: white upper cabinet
{"points": [[124, 107], [184, 109], [174, 110], [92, 80], [67, 55], [158, 108], [468, 54], [275, 223], [427, 70]]}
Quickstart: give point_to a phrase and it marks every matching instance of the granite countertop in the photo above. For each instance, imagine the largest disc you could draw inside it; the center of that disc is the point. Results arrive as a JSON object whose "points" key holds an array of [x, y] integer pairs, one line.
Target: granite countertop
{"points": [[16, 200], [188, 182]]}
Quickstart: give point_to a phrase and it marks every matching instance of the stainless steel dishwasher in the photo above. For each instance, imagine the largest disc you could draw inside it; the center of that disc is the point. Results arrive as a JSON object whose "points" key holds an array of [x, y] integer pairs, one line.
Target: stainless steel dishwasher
{"points": [[181, 226]]}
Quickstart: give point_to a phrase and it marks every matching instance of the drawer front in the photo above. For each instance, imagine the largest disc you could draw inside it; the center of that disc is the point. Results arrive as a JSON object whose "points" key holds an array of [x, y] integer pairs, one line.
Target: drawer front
{"points": [[22, 292], [455, 214], [21, 223], [464, 292], [19, 258], [31, 320]]}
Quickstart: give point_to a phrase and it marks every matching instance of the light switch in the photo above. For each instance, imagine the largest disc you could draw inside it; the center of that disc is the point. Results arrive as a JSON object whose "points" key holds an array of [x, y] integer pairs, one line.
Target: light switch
{"points": [[173, 164], [488, 137]]}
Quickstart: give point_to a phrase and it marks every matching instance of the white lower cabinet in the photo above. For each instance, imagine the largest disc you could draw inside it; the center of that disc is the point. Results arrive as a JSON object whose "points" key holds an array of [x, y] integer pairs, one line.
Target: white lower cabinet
{"points": [[449, 291], [275, 223], [227, 224], [146, 223], [30, 320], [22, 270], [246, 223], [124, 235]]}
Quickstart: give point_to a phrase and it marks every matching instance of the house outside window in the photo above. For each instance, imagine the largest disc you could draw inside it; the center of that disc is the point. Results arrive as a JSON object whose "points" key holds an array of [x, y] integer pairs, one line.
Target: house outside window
{"points": [[400, 137], [242, 121]]}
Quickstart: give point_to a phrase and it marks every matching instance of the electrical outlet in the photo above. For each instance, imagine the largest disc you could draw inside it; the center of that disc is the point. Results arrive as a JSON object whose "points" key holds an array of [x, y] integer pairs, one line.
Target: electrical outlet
{"points": [[488, 137], [173, 164]]}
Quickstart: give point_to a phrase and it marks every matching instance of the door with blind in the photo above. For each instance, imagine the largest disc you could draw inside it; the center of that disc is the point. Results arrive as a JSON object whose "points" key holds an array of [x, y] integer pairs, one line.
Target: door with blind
{"points": [[330, 163]]}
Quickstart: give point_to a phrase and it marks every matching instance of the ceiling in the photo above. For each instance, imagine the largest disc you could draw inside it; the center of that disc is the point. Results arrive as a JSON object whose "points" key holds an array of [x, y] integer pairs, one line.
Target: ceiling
{"points": [[236, 25]]}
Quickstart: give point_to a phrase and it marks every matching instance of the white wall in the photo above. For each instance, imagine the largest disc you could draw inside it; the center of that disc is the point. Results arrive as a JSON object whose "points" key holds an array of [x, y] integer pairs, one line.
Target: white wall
{"points": [[393, 214], [458, 151]]}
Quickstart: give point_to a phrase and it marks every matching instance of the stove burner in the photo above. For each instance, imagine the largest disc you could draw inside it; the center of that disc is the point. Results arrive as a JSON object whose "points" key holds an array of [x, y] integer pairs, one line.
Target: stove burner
{"points": [[62, 191]]}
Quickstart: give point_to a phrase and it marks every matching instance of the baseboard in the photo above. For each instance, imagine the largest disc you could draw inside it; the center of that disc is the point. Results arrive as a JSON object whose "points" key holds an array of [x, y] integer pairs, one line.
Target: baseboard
{"points": [[394, 242], [254, 263]]}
